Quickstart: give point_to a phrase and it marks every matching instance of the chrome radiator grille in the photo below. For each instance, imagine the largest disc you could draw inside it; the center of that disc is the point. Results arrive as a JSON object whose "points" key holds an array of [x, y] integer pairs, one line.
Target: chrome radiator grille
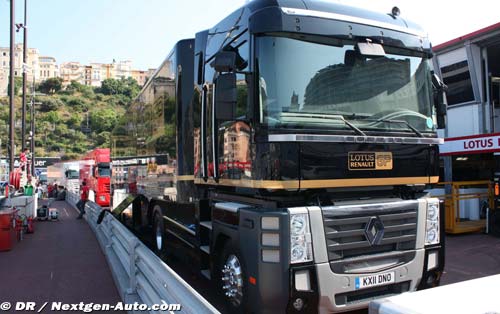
{"points": [[370, 229]]}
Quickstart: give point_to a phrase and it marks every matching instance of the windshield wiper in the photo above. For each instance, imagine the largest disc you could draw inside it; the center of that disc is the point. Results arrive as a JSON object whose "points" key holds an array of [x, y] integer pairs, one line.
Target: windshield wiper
{"points": [[411, 127], [352, 126], [329, 116]]}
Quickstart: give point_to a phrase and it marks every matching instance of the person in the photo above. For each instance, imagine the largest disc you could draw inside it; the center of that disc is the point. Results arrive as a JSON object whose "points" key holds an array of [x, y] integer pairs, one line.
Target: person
{"points": [[61, 195], [84, 197], [50, 187], [23, 158], [39, 190], [54, 190]]}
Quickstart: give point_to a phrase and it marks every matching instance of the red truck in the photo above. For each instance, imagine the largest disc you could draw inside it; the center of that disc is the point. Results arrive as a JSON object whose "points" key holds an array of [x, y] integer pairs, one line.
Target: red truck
{"points": [[95, 170]]}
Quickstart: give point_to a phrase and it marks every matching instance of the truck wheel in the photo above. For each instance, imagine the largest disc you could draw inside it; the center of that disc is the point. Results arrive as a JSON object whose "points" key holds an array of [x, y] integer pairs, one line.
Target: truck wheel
{"points": [[231, 279], [159, 240]]}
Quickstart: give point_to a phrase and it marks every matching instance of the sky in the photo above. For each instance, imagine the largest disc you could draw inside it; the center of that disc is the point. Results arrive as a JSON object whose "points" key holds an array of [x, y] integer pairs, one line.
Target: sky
{"points": [[144, 31]]}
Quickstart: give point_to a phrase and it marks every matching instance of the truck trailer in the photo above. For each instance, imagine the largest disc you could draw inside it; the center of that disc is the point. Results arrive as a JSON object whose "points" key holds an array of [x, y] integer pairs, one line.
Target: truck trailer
{"points": [[286, 152]]}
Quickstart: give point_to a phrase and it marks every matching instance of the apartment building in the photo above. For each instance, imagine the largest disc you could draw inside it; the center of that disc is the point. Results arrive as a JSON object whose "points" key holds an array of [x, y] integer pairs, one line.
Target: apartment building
{"points": [[72, 71], [122, 69], [45, 67], [140, 76], [33, 65], [48, 68]]}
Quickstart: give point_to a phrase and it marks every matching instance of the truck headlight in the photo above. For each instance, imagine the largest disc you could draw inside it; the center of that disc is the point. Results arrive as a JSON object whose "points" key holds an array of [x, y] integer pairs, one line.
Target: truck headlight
{"points": [[300, 237], [432, 222]]}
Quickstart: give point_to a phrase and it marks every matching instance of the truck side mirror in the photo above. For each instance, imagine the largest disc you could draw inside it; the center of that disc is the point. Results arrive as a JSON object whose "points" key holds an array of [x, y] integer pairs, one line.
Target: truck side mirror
{"points": [[225, 61], [225, 96], [440, 101]]}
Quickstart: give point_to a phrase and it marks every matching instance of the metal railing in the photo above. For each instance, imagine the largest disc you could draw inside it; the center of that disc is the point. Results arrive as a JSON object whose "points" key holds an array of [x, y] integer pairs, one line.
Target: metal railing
{"points": [[139, 274]]}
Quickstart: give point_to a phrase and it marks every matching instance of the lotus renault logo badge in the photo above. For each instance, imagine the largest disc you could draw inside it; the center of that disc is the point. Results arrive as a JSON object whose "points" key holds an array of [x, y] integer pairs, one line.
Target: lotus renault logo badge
{"points": [[374, 231], [369, 161]]}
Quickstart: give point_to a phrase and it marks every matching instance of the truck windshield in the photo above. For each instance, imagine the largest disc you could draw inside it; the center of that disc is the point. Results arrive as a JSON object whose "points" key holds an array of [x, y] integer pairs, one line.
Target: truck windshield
{"points": [[72, 174], [309, 85], [104, 171]]}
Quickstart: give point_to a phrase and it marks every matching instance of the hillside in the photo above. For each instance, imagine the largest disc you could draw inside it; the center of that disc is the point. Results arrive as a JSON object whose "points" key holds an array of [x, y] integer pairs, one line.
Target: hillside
{"points": [[69, 120]]}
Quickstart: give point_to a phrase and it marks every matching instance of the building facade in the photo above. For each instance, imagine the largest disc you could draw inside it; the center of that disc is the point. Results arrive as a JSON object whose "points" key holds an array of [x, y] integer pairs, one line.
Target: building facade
{"points": [[140, 76], [48, 68], [72, 71], [32, 68]]}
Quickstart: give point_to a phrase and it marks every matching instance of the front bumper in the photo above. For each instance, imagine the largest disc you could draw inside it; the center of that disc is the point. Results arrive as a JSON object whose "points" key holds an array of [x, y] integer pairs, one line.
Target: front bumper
{"points": [[338, 292]]}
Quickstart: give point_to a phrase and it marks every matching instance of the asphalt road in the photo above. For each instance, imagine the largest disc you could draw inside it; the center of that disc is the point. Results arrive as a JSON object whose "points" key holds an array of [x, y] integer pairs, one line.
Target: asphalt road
{"points": [[470, 256], [61, 262]]}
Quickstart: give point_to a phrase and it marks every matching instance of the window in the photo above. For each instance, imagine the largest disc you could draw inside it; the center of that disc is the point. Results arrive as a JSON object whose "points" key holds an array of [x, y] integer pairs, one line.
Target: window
{"points": [[242, 48], [457, 77], [309, 85]]}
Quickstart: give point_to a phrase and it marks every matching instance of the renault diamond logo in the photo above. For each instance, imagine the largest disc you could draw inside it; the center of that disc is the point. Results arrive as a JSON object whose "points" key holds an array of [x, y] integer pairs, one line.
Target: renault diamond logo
{"points": [[374, 231]]}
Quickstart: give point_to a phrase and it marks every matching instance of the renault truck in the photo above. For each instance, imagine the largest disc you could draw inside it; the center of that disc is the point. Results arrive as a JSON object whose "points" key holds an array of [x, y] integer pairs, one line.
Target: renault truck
{"points": [[285, 154], [94, 170]]}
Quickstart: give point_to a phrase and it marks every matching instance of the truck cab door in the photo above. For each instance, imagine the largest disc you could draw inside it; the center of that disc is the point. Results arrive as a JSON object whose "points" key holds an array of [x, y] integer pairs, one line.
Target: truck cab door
{"points": [[228, 127]]}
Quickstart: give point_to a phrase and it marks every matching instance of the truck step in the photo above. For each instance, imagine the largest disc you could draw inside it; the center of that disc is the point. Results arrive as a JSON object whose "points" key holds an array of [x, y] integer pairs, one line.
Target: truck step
{"points": [[206, 224], [205, 248], [206, 273]]}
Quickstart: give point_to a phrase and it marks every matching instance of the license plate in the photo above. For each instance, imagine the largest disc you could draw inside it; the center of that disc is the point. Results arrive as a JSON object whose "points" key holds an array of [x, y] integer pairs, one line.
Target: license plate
{"points": [[374, 280]]}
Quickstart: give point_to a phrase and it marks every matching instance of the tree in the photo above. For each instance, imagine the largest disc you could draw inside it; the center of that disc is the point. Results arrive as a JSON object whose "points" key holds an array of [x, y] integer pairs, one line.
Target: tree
{"points": [[49, 103], [75, 86], [127, 87], [18, 83], [111, 87], [52, 117], [51, 85], [103, 120]]}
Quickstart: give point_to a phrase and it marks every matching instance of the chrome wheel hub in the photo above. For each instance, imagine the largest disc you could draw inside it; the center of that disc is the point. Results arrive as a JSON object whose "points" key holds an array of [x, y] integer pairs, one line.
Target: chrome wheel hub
{"points": [[232, 280], [159, 238]]}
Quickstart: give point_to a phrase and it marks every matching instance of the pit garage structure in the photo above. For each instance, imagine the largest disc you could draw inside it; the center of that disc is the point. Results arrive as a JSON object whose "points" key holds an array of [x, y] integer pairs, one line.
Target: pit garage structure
{"points": [[470, 66]]}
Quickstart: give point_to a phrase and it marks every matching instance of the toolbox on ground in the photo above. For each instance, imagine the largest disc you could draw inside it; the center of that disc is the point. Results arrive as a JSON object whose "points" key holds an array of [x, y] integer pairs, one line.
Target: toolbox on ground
{"points": [[42, 213]]}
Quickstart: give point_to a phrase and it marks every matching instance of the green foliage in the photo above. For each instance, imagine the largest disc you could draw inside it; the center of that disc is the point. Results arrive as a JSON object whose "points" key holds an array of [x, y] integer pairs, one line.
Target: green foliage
{"points": [[76, 87], [52, 117], [51, 85], [48, 103], [74, 121], [62, 115], [78, 103], [18, 84], [103, 120], [102, 139], [127, 87]]}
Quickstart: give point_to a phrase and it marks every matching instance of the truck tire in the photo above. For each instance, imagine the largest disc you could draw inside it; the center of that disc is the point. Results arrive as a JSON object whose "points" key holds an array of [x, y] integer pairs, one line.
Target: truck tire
{"points": [[159, 238], [231, 279]]}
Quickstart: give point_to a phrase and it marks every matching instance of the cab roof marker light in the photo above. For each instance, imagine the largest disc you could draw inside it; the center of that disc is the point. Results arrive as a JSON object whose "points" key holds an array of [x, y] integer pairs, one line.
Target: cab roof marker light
{"points": [[353, 19]]}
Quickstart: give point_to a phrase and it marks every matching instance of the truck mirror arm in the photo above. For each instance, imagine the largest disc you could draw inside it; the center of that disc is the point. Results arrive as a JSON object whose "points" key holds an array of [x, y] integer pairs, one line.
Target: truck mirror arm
{"points": [[440, 100]]}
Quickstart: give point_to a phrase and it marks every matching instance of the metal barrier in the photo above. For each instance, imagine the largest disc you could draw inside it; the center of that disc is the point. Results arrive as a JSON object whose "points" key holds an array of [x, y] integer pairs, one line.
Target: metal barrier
{"points": [[466, 205], [139, 274]]}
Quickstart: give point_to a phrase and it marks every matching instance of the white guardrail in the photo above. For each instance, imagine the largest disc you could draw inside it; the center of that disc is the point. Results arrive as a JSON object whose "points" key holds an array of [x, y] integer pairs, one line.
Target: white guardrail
{"points": [[139, 274]]}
